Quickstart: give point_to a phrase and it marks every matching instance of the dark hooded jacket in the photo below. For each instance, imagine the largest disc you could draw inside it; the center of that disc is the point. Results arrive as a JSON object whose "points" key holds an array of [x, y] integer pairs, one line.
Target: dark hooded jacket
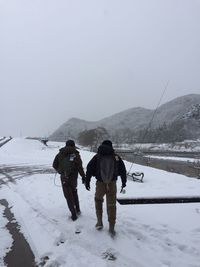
{"points": [[94, 166], [65, 151]]}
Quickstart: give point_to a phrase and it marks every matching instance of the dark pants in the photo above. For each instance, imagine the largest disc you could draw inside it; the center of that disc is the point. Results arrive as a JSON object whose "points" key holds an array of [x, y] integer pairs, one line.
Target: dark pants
{"points": [[69, 187]]}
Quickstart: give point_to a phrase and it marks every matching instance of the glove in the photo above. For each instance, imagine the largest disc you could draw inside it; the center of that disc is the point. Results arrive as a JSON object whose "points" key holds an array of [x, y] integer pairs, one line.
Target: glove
{"points": [[87, 186], [83, 180], [123, 185], [122, 188]]}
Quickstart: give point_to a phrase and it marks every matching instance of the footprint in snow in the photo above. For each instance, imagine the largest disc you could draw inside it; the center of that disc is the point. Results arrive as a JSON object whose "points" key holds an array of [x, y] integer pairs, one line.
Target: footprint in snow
{"points": [[60, 239], [109, 254]]}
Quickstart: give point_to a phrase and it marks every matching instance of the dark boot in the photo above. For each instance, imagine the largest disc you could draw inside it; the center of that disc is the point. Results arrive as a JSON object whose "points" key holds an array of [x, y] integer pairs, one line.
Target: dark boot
{"points": [[99, 224], [74, 217]]}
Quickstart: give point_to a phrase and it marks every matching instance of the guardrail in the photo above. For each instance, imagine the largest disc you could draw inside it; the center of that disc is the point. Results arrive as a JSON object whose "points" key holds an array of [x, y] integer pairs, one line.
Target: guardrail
{"points": [[6, 141]]}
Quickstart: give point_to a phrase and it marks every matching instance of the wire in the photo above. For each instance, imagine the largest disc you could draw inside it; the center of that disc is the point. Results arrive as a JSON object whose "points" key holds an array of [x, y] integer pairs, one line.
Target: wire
{"points": [[150, 122], [55, 180]]}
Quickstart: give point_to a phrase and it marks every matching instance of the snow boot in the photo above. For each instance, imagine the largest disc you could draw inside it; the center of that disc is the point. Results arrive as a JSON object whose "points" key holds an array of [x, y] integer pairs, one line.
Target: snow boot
{"points": [[74, 217], [99, 225]]}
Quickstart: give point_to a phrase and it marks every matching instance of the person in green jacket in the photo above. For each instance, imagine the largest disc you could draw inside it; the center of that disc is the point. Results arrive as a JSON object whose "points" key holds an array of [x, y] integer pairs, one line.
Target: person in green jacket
{"points": [[68, 164]]}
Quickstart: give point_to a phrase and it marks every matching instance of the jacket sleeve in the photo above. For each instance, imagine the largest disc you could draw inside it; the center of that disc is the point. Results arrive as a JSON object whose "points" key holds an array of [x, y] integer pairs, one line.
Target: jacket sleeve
{"points": [[91, 169], [80, 165], [122, 172], [56, 163]]}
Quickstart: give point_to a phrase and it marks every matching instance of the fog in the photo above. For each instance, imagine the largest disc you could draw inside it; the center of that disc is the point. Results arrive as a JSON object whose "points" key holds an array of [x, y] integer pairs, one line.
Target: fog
{"points": [[90, 59]]}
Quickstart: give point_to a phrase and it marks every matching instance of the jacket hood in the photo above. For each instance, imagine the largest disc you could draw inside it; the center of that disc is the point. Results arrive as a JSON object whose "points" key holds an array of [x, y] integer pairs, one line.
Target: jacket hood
{"points": [[105, 150], [68, 150]]}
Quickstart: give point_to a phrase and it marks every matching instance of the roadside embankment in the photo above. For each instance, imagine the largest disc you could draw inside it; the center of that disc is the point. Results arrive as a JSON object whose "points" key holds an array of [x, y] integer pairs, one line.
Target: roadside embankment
{"points": [[187, 168]]}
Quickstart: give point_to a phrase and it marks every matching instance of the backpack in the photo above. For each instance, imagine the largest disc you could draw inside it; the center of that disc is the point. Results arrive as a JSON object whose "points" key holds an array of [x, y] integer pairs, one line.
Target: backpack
{"points": [[67, 165], [107, 168]]}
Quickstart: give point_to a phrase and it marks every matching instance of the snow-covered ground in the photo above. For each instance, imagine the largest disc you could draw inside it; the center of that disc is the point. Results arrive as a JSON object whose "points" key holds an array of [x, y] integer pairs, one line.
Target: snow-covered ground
{"points": [[147, 235], [185, 146]]}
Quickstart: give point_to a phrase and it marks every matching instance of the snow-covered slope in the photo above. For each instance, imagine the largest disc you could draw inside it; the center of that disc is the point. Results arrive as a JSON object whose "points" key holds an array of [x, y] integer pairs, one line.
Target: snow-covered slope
{"points": [[134, 119], [175, 109], [147, 235]]}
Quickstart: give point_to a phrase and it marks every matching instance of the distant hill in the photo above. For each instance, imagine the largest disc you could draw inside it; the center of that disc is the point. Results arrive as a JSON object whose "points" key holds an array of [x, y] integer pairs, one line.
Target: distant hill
{"points": [[180, 113]]}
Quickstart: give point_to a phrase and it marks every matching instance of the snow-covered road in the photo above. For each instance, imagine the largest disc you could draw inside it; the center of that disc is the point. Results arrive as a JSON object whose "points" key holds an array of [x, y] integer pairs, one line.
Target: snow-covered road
{"points": [[147, 235]]}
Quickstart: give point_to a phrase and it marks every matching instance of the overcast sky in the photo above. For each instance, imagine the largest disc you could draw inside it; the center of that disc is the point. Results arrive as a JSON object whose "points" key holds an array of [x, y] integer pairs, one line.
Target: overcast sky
{"points": [[93, 58]]}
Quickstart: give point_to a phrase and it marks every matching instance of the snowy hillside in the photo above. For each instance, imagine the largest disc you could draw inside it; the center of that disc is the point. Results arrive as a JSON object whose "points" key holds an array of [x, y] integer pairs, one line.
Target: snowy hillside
{"points": [[147, 235], [175, 109], [134, 119]]}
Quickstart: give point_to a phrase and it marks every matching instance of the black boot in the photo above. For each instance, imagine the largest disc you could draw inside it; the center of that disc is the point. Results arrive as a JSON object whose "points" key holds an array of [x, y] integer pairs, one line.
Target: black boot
{"points": [[74, 217], [112, 229]]}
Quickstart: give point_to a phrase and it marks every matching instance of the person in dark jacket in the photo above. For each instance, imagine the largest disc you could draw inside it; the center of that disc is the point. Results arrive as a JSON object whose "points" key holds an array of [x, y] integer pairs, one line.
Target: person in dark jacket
{"points": [[68, 164], [106, 166]]}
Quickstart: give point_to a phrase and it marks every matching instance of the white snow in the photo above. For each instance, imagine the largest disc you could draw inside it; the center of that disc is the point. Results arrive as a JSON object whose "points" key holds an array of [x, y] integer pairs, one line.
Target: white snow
{"points": [[147, 235]]}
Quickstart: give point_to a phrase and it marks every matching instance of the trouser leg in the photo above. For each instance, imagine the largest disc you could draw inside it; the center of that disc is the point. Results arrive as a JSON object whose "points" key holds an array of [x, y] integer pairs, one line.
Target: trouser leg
{"points": [[76, 199], [99, 194], [69, 196], [75, 194], [111, 204]]}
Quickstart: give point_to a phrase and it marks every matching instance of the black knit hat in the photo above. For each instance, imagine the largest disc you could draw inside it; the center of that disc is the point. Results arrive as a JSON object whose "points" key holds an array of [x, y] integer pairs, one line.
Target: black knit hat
{"points": [[70, 143], [107, 143]]}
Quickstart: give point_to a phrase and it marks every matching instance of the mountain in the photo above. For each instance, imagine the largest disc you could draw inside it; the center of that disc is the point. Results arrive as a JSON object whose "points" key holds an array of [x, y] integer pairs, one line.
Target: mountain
{"points": [[175, 113]]}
